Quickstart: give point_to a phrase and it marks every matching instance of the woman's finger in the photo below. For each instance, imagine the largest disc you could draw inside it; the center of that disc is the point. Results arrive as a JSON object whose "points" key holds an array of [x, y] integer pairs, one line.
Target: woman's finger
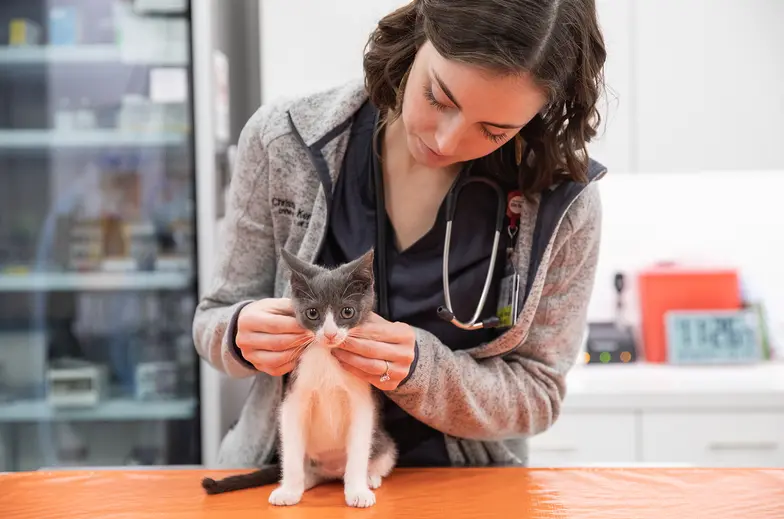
{"points": [[271, 342], [269, 323], [376, 350], [374, 380], [279, 305], [383, 331], [368, 365], [269, 361], [282, 370], [373, 368]]}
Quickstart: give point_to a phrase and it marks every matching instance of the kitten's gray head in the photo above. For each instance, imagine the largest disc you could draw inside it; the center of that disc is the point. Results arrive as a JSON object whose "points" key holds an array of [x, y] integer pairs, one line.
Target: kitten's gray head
{"points": [[329, 302]]}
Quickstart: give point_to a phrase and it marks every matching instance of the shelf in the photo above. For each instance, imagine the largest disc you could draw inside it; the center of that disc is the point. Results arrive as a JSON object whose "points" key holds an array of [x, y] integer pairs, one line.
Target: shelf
{"points": [[161, 6], [93, 281], [662, 386], [27, 139], [118, 409], [87, 54]]}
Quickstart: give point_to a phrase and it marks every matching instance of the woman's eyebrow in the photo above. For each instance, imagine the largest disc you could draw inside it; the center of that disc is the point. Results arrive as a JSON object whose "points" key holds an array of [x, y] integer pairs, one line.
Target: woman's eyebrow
{"points": [[451, 97], [446, 90]]}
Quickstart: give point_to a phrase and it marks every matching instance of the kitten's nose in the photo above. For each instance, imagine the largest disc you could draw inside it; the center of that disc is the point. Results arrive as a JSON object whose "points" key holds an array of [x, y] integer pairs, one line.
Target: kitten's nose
{"points": [[330, 336]]}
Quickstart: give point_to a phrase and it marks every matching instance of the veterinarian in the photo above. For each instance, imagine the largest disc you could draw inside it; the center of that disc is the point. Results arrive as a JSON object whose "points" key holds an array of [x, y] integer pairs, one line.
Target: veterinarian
{"points": [[453, 89]]}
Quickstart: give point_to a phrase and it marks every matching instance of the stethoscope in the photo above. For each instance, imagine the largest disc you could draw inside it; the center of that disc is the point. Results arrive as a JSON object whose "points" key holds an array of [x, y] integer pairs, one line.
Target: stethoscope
{"points": [[444, 312]]}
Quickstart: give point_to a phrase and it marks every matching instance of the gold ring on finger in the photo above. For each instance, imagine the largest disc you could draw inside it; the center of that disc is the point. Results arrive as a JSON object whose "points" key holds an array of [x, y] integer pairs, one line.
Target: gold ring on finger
{"points": [[385, 375]]}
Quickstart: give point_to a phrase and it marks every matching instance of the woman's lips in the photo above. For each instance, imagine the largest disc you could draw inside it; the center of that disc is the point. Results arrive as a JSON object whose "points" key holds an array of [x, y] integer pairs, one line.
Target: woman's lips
{"points": [[430, 150]]}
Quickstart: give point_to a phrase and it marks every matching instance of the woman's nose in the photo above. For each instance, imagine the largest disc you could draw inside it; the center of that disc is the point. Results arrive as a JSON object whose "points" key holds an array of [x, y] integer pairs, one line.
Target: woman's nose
{"points": [[448, 137]]}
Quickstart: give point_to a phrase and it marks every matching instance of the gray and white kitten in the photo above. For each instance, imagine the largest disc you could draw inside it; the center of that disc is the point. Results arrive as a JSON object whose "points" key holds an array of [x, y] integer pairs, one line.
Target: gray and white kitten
{"points": [[329, 419]]}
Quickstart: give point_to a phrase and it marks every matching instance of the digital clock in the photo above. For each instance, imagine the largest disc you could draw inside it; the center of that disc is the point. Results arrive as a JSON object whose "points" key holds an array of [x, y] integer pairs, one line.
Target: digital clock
{"points": [[713, 337]]}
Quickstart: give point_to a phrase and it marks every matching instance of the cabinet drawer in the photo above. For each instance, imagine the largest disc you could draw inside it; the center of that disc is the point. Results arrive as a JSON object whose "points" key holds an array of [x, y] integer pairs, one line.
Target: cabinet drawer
{"points": [[739, 439], [585, 439]]}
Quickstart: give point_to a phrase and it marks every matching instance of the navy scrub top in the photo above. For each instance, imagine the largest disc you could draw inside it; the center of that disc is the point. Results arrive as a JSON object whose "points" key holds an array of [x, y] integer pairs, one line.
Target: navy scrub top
{"points": [[415, 288]]}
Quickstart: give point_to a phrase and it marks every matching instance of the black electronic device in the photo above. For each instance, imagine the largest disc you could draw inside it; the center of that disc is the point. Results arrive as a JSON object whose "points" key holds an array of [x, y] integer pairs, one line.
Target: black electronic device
{"points": [[614, 341]]}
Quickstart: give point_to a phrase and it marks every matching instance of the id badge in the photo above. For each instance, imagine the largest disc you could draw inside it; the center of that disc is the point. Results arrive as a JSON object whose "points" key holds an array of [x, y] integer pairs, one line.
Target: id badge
{"points": [[507, 300], [510, 284]]}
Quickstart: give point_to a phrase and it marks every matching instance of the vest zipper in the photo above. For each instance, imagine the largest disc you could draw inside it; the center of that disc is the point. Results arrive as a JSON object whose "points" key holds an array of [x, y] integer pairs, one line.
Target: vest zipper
{"points": [[549, 242]]}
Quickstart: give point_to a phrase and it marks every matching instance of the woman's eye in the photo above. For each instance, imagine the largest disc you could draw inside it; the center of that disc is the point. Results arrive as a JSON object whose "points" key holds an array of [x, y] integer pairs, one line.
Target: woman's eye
{"points": [[312, 314], [431, 98], [347, 312], [493, 137]]}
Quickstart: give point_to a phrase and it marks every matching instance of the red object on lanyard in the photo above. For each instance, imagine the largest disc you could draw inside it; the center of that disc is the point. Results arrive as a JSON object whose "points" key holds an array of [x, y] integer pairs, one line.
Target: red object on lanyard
{"points": [[514, 206]]}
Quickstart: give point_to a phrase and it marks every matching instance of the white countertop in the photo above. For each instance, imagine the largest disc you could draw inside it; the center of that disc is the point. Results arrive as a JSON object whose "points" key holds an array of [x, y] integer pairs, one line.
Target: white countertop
{"points": [[651, 386]]}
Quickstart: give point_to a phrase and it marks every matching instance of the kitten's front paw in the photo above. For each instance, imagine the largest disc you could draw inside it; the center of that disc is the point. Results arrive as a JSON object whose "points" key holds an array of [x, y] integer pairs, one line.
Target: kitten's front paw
{"points": [[374, 482], [360, 497], [283, 496]]}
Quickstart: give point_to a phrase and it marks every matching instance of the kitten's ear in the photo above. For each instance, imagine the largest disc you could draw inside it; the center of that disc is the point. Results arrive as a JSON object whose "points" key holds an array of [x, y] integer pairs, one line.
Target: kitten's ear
{"points": [[301, 273], [298, 266], [361, 269]]}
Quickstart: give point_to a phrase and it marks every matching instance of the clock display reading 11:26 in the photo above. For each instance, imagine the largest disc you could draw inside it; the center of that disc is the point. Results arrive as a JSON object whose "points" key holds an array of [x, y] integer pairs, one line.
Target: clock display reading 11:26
{"points": [[719, 337]]}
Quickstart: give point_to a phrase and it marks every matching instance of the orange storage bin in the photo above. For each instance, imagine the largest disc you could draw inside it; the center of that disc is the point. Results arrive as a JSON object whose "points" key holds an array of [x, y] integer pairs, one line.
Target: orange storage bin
{"points": [[672, 287]]}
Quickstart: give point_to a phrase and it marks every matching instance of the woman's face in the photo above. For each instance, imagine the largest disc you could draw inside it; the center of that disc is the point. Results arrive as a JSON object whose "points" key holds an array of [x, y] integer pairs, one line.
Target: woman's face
{"points": [[454, 112]]}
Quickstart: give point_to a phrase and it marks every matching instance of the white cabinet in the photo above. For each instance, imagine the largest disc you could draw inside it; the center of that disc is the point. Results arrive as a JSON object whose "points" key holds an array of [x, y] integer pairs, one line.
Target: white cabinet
{"points": [[579, 438], [748, 439], [668, 415]]}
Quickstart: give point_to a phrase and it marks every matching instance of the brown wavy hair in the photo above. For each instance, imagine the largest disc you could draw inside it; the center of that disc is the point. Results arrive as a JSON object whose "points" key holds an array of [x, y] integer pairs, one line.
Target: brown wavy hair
{"points": [[559, 42]]}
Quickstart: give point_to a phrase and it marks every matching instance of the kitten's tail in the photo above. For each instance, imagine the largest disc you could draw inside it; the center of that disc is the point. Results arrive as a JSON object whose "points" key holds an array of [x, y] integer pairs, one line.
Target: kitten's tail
{"points": [[257, 478]]}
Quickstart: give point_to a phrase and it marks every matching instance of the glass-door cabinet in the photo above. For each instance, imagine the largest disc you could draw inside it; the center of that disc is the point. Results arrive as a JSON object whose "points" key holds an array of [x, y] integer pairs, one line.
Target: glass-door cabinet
{"points": [[97, 235]]}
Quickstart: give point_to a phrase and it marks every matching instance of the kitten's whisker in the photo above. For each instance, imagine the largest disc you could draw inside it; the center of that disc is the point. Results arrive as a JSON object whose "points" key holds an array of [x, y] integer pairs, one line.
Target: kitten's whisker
{"points": [[302, 339], [299, 349], [305, 293], [349, 285], [305, 339], [293, 355]]}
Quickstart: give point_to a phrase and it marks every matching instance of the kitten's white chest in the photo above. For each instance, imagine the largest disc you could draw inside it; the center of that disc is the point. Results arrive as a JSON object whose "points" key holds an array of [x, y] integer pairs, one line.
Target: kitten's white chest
{"points": [[325, 391], [319, 370]]}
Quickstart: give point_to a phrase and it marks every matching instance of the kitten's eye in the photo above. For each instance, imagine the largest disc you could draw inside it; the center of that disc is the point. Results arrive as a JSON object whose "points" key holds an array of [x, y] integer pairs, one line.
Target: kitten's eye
{"points": [[346, 312], [312, 314]]}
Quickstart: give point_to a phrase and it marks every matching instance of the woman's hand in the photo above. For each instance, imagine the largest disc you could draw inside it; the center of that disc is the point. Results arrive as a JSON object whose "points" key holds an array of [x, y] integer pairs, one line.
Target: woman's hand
{"points": [[269, 336], [370, 344]]}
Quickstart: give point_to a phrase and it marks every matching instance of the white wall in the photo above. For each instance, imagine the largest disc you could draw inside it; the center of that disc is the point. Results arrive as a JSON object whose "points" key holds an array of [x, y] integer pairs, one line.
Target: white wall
{"points": [[308, 45], [693, 134], [708, 84], [718, 217]]}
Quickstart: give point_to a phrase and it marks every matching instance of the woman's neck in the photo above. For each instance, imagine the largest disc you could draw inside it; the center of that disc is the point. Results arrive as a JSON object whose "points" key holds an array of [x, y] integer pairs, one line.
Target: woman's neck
{"points": [[395, 146], [412, 193]]}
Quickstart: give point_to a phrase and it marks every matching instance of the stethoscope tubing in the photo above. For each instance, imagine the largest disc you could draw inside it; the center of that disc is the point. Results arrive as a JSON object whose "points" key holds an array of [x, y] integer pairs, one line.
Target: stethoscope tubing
{"points": [[448, 313]]}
